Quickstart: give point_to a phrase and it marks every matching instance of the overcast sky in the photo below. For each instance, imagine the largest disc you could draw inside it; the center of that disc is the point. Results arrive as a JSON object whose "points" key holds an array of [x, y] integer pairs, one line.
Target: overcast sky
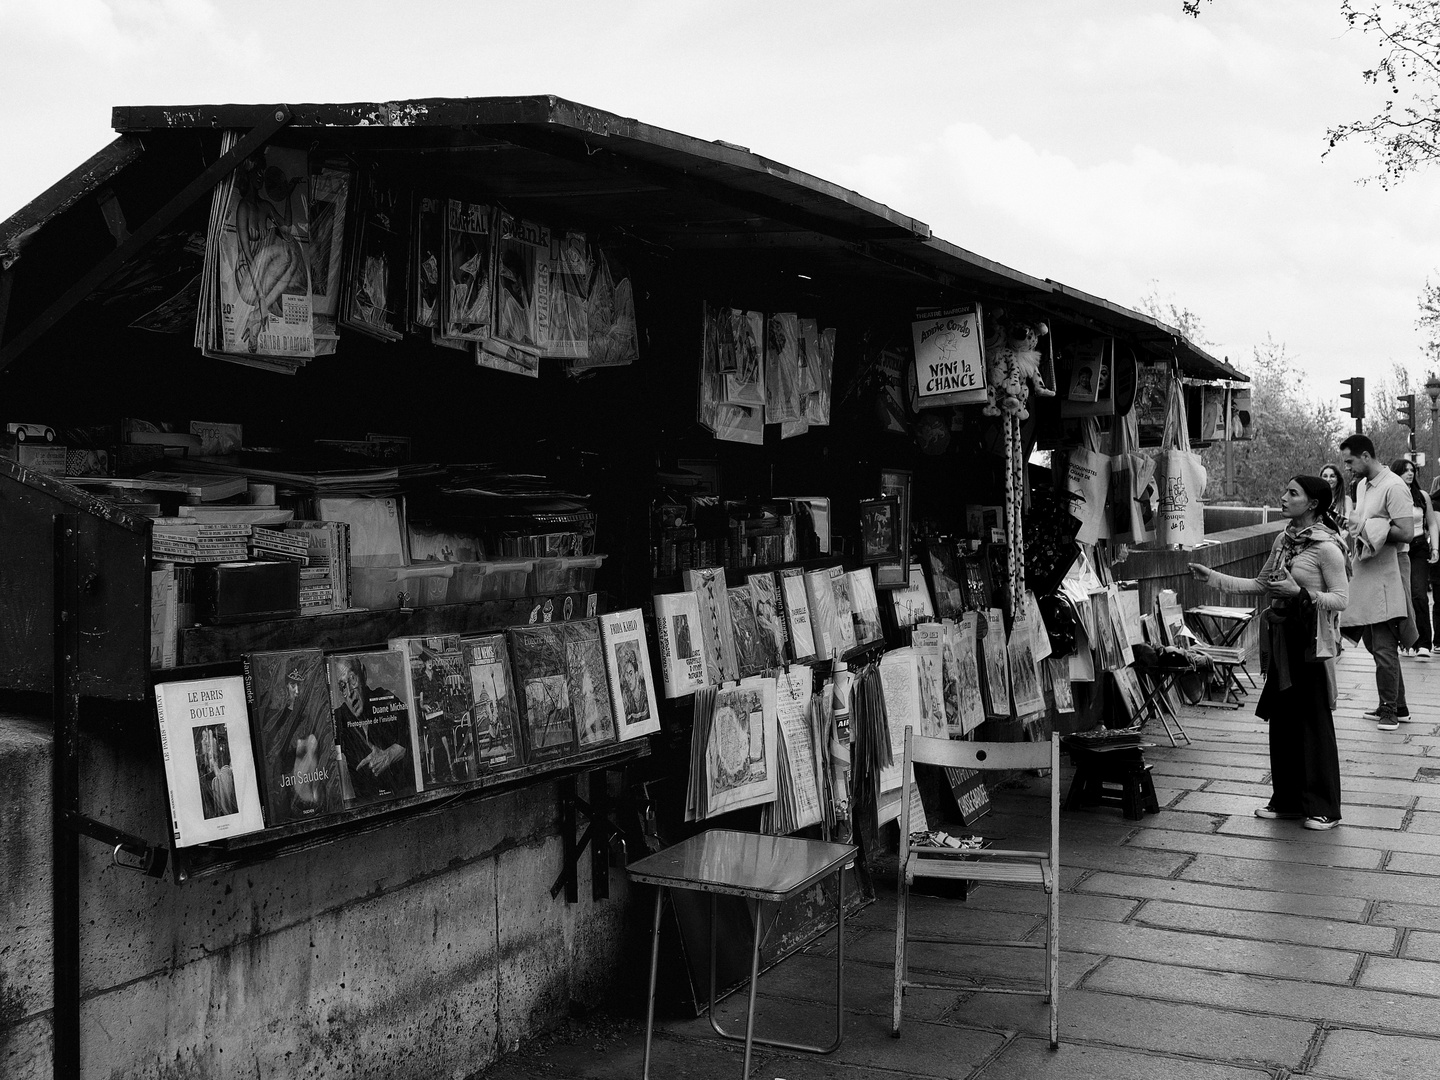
{"points": [[1105, 144]]}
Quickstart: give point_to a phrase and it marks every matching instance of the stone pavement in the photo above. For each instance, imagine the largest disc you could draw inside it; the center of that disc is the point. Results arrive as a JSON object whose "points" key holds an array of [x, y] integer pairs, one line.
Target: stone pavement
{"points": [[1200, 943]]}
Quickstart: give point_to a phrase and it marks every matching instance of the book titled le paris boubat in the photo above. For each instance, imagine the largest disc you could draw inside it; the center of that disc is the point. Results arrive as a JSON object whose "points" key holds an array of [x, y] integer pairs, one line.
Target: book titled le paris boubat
{"points": [[209, 765], [373, 726], [296, 761]]}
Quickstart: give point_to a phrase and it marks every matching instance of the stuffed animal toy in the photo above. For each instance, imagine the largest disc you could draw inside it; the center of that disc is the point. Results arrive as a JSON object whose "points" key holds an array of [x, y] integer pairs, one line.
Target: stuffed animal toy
{"points": [[1014, 369]]}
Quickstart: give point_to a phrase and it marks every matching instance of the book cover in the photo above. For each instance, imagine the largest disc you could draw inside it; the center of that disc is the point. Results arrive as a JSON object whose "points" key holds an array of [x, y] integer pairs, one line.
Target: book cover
{"points": [[928, 641], [632, 684], [683, 665], [997, 665], [797, 613], [866, 606], [844, 603], [296, 761], [589, 685], [467, 272], [750, 652], [1088, 359], [209, 762], [900, 687], [1026, 690], [437, 690], [542, 684], [740, 754], [494, 712], [912, 603], [821, 596], [769, 608], [717, 632], [372, 726]]}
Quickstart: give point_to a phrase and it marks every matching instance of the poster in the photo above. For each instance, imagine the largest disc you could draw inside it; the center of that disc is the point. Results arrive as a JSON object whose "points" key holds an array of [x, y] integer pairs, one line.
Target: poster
{"points": [[949, 361]]}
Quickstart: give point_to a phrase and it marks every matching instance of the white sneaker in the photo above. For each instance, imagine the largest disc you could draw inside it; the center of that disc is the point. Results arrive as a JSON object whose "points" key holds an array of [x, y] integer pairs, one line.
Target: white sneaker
{"points": [[1422, 654]]}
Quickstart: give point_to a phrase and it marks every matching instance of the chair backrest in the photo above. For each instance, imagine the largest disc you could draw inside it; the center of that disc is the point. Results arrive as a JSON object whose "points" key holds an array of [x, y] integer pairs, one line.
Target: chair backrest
{"points": [[928, 750]]}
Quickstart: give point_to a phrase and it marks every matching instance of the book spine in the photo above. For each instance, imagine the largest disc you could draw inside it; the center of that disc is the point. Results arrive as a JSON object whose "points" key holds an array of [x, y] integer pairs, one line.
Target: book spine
{"points": [[667, 662], [612, 674], [165, 756]]}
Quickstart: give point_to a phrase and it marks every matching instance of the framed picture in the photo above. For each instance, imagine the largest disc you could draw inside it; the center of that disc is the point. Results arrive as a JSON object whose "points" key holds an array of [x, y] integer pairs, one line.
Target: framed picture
{"points": [[879, 530], [895, 573]]}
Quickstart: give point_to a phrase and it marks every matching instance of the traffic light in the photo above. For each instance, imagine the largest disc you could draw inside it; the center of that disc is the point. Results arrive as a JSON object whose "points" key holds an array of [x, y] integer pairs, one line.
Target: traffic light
{"points": [[1356, 396], [1405, 411]]}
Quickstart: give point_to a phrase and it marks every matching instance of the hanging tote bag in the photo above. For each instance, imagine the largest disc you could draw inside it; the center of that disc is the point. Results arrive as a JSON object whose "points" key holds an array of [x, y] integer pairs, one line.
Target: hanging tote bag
{"points": [[1087, 474], [1133, 493], [1180, 477]]}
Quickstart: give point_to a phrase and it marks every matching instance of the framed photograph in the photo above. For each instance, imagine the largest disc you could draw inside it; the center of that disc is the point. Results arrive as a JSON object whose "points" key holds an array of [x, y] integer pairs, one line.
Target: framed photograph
{"points": [[895, 573], [879, 530], [945, 580]]}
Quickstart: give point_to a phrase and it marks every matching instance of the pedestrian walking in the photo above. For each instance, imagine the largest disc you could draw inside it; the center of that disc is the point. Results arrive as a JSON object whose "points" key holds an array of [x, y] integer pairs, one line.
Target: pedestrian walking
{"points": [[1305, 579], [1340, 502], [1424, 551], [1380, 522]]}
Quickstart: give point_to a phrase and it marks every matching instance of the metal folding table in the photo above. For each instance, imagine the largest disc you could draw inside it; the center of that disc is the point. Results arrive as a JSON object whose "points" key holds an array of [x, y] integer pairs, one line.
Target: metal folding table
{"points": [[1219, 629], [764, 870]]}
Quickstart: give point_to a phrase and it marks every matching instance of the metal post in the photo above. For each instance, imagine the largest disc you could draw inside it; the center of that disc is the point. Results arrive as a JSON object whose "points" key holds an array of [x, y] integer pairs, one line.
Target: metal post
{"points": [[65, 800]]}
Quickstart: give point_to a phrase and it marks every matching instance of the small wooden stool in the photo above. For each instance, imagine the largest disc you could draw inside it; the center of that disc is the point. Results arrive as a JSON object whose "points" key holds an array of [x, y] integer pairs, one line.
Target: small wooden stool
{"points": [[1118, 777]]}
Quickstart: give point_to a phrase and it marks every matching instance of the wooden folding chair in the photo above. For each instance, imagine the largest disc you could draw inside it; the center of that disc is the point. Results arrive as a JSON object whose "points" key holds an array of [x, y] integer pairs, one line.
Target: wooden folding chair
{"points": [[1025, 867]]}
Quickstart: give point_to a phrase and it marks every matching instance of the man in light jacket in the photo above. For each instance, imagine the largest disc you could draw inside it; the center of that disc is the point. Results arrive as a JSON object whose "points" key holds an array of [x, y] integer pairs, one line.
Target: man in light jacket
{"points": [[1381, 525]]}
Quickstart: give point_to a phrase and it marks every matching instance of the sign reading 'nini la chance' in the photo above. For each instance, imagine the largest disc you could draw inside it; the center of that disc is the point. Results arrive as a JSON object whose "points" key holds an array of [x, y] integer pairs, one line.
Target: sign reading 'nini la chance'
{"points": [[949, 359]]}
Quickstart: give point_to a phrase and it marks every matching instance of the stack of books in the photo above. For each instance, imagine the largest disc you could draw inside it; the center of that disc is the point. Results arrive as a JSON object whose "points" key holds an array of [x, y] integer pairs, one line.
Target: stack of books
{"points": [[278, 544], [325, 576], [176, 540]]}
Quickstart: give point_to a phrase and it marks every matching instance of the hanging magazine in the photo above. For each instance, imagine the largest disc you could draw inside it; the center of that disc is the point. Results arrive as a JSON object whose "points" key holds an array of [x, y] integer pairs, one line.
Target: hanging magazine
{"points": [[997, 666], [255, 285], [377, 260], [928, 641], [610, 314], [817, 401], [519, 247], [717, 631], [1026, 690], [743, 367], [429, 236], [797, 613], [467, 266], [782, 368], [798, 799], [964, 707], [565, 312], [329, 207]]}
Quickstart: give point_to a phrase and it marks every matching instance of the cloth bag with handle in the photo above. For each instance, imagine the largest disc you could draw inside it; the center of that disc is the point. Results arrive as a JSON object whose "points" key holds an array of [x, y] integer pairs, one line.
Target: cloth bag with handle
{"points": [[1180, 479], [1133, 492]]}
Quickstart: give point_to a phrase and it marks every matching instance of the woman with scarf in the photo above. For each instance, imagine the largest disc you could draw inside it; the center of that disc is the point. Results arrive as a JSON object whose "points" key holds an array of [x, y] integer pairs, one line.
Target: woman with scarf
{"points": [[1305, 580]]}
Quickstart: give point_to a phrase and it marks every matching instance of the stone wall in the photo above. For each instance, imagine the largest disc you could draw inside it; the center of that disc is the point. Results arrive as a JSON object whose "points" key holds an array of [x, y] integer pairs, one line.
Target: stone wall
{"points": [[425, 948]]}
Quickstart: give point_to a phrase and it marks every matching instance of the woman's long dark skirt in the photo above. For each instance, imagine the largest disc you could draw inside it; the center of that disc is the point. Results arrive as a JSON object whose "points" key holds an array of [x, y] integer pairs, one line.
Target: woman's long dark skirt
{"points": [[1304, 760]]}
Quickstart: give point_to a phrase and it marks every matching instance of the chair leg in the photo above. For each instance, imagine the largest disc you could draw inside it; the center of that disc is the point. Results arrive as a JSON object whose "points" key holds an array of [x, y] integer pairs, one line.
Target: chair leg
{"points": [[902, 971], [1053, 956]]}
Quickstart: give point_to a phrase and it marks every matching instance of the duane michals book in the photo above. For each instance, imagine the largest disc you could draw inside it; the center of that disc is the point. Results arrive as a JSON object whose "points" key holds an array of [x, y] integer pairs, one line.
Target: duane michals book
{"points": [[494, 712], [209, 762], [372, 726], [296, 761]]}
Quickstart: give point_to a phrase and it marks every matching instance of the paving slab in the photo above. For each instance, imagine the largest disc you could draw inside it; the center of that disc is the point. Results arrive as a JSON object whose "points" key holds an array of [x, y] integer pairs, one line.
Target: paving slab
{"points": [[1032, 1059], [1073, 905], [1141, 1024], [1348, 1005], [1421, 945], [1286, 846], [1126, 859], [1317, 905], [1270, 926], [1316, 880], [1348, 1054], [1348, 835], [1426, 818], [923, 1049], [1414, 916], [969, 963], [1411, 976], [810, 978], [1350, 796], [1214, 951], [1175, 772], [1214, 802]]}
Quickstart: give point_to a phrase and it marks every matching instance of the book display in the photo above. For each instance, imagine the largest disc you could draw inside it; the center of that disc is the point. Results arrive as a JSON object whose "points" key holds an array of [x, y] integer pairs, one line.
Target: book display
{"points": [[385, 495]]}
